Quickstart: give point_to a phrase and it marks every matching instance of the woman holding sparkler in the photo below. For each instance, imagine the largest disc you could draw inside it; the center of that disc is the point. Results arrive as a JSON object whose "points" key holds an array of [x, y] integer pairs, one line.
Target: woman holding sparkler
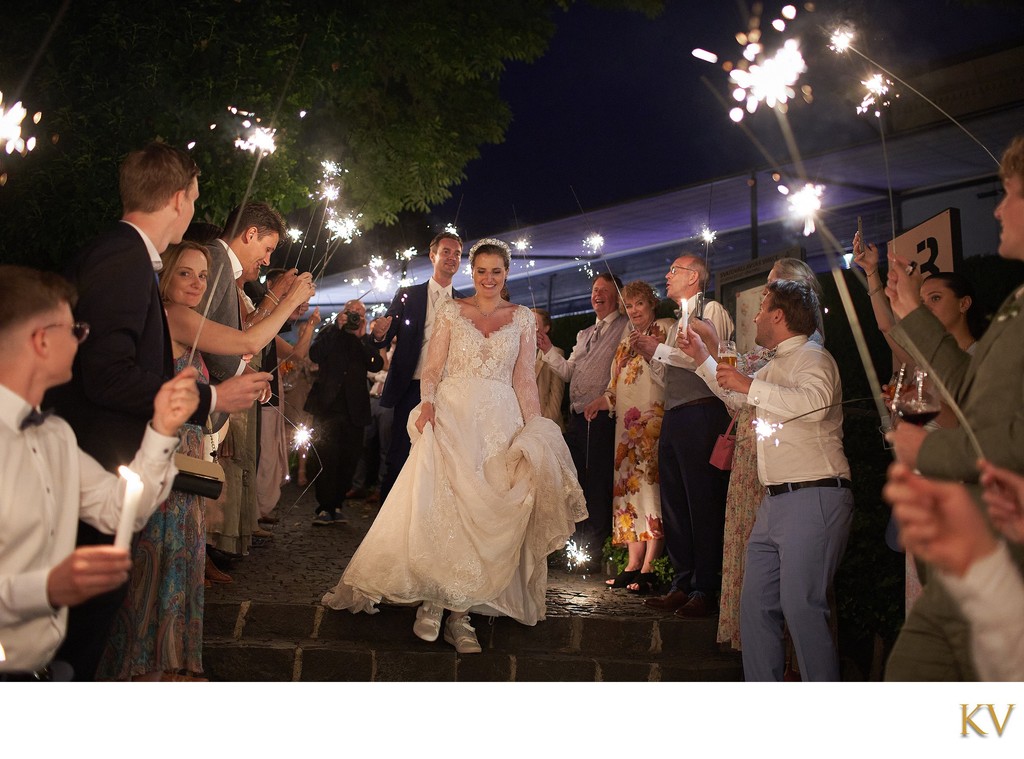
{"points": [[638, 403], [158, 632], [489, 488]]}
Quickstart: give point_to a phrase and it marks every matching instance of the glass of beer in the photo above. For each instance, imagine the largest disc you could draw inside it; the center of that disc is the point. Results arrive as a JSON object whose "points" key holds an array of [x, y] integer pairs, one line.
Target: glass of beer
{"points": [[727, 353]]}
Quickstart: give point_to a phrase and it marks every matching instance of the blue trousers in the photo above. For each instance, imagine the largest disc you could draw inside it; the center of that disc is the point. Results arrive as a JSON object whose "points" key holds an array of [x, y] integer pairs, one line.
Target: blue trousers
{"points": [[794, 550]]}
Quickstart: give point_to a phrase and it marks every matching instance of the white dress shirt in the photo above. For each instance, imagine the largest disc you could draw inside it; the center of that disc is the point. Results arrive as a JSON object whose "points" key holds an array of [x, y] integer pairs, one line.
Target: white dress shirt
{"points": [[435, 294], [46, 485], [801, 381], [154, 254], [991, 598]]}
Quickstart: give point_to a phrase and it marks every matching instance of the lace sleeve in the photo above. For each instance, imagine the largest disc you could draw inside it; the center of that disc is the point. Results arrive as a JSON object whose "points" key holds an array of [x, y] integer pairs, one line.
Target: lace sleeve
{"points": [[437, 350], [524, 377]]}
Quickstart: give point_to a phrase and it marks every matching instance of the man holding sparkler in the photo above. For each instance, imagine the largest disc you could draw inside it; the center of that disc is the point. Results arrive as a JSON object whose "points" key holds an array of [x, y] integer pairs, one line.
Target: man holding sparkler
{"points": [[410, 319], [692, 490], [47, 483], [804, 520], [118, 372], [986, 385], [592, 444]]}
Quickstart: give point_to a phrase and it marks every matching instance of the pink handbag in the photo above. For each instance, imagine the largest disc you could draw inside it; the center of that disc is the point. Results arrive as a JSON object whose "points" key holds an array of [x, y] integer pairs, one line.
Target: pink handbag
{"points": [[721, 454]]}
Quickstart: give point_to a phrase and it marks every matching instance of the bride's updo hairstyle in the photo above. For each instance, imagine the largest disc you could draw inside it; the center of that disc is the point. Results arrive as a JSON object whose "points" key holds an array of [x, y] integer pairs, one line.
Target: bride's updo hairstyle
{"points": [[491, 245]]}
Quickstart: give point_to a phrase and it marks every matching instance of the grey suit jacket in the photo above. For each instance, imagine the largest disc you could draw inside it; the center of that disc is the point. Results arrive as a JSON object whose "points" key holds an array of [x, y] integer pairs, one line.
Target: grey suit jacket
{"points": [[223, 309], [988, 386]]}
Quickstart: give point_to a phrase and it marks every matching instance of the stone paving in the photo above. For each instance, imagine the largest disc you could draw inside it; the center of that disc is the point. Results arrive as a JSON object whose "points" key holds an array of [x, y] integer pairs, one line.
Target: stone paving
{"points": [[303, 561]]}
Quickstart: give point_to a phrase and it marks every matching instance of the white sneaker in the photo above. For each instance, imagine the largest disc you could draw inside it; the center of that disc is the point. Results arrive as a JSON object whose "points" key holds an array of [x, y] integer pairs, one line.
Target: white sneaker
{"points": [[461, 634], [428, 621]]}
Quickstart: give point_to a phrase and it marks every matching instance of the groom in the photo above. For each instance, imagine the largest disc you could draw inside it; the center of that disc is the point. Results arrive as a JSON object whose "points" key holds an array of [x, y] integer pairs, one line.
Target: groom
{"points": [[410, 319]]}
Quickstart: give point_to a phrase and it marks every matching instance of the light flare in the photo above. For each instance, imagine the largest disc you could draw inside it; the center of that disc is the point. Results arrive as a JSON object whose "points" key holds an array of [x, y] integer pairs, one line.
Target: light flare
{"points": [[804, 203], [771, 81], [302, 437]]}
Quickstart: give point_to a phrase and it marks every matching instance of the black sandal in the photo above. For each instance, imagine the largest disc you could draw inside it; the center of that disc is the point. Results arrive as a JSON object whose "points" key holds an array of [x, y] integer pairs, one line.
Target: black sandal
{"points": [[623, 578], [646, 582]]}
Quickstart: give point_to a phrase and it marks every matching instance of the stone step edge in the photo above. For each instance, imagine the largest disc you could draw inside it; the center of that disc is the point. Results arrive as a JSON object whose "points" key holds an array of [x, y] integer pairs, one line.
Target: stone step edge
{"points": [[333, 663]]}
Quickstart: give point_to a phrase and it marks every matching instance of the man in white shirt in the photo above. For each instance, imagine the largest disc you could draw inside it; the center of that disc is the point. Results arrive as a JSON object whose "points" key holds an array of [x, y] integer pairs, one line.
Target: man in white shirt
{"points": [[804, 521], [47, 483]]}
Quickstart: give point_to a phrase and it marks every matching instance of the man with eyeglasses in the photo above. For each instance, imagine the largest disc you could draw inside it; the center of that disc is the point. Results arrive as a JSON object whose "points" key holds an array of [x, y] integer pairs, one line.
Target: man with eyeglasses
{"points": [[692, 490], [47, 483], [409, 321]]}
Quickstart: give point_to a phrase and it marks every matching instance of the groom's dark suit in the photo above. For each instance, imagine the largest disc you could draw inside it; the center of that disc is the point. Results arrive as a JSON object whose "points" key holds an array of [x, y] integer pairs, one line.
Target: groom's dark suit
{"points": [[401, 392], [108, 403]]}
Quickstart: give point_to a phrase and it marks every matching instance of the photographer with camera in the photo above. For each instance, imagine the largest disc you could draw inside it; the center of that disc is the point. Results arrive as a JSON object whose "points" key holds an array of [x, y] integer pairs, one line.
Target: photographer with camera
{"points": [[340, 403]]}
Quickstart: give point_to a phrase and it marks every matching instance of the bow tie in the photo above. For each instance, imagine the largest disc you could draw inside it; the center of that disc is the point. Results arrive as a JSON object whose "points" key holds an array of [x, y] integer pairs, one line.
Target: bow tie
{"points": [[34, 419]]}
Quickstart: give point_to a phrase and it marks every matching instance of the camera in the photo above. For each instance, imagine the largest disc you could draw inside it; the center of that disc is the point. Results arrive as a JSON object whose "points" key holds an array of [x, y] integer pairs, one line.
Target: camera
{"points": [[353, 320]]}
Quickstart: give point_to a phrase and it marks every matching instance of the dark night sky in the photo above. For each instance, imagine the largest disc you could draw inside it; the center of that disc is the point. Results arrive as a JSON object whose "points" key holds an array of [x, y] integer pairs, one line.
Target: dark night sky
{"points": [[617, 110]]}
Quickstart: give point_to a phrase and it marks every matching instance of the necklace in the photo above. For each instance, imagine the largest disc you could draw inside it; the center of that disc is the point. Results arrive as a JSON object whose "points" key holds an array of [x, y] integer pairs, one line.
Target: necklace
{"points": [[486, 313]]}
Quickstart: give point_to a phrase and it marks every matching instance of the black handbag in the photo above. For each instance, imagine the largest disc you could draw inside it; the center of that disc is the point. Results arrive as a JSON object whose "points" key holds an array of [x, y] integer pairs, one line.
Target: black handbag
{"points": [[198, 476]]}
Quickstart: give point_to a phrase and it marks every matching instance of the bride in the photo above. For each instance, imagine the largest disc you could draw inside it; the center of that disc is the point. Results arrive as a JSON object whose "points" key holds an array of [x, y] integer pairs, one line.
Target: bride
{"points": [[489, 489]]}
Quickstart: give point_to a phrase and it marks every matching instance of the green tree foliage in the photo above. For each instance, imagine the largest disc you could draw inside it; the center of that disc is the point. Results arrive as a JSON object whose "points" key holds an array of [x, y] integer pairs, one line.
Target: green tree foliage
{"points": [[401, 94]]}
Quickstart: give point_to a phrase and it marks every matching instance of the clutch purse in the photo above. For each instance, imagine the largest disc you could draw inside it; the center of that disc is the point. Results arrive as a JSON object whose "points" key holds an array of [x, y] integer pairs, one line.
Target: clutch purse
{"points": [[721, 454], [198, 476]]}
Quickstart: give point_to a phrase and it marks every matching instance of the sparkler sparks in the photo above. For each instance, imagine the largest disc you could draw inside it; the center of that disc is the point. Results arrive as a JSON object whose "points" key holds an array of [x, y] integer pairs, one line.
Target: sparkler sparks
{"points": [[295, 234], [707, 235], [765, 429], [840, 41], [302, 437], [877, 90], [343, 227], [591, 247], [11, 119], [770, 82], [261, 139], [576, 556], [804, 203]]}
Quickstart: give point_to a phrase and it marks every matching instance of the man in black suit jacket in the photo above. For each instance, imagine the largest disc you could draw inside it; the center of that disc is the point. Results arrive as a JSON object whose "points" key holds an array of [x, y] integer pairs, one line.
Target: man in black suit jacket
{"points": [[410, 319], [340, 401], [128, 356]]}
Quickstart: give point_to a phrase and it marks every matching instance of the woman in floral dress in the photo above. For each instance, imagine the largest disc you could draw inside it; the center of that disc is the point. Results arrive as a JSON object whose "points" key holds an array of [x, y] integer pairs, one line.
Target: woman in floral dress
{"points": [[638, 404]]}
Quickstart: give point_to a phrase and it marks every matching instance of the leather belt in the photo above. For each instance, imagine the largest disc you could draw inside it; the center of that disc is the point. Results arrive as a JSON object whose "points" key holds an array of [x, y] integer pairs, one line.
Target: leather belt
{"points": [[697, 402], [828, 482]]}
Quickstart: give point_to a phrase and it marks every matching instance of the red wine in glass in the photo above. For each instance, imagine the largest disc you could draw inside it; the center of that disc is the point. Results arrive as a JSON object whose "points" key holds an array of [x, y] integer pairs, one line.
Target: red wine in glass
{"points": [[918, 416]]}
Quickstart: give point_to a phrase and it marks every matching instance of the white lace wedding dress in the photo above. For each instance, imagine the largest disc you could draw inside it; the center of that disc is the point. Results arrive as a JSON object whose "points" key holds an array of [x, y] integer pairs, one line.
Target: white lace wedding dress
{"points": [[483, 498]]}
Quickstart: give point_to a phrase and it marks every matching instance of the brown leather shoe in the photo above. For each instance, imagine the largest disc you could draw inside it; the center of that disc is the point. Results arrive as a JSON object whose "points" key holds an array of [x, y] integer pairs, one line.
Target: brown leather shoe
{"points": [[268, 520], [261, 533], [696, 607], [669, 602]]}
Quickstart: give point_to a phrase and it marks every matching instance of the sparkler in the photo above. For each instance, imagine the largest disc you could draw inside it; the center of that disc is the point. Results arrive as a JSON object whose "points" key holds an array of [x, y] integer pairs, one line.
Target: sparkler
{"points": [[771, 81], [11, 138], [260, 139], [302, 438], [576, 556], [841, 41], [876, 96], [591, 247], [805, 203]]}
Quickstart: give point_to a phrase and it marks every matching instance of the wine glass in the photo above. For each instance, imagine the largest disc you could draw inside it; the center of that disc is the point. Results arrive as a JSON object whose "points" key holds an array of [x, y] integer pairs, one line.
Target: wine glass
{"points": [[919, 404]]}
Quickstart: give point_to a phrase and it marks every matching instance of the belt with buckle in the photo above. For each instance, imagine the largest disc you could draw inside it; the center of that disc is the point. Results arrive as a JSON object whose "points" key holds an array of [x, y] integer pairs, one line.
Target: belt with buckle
{"points": [[828, 482]]}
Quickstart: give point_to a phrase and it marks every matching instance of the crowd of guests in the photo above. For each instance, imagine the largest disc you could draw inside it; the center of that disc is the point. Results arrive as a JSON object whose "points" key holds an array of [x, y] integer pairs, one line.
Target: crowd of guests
{"points": [[442, 380]]}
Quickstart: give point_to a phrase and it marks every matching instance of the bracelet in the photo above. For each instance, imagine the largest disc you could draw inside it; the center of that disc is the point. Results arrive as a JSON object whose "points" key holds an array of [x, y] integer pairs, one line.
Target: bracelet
{"points": [[875, 290], [869, 274], [270, 294]]}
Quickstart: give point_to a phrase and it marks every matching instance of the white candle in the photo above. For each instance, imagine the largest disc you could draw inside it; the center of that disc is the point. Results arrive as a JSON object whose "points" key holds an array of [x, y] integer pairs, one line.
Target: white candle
{"points": [[129, 509]]}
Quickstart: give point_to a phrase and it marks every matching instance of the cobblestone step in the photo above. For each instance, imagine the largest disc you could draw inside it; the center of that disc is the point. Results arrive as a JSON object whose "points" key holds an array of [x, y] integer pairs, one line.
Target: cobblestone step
{"points": [[253, 641]]}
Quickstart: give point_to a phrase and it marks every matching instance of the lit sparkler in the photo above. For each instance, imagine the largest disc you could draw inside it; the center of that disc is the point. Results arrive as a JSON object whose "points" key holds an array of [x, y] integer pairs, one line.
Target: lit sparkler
{"points": [[302, 437], [877, 94], [260, 139], [11, 119], [295, 234], [450, 227], [576, 556], [591, 247], [765, 429], [804, 203], [707, 235], [343, 227], [771, 81]]}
